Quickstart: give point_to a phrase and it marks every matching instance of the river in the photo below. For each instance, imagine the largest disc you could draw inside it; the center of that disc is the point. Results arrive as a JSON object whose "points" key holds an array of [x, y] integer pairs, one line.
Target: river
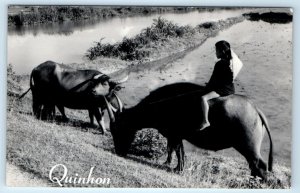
{"points": [[67, 42]]}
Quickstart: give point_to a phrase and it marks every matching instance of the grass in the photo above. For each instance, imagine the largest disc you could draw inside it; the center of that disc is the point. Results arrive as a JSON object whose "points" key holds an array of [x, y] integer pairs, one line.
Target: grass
{"points": [[36, 146]]}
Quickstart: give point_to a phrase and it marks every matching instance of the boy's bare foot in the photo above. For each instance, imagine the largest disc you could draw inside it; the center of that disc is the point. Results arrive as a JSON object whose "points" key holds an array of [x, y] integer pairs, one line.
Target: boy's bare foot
{"points": [[203, 126]]}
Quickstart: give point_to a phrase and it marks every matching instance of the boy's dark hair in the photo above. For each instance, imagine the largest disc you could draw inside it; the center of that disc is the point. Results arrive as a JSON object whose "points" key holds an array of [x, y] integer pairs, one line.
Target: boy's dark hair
{"points": [[225, 47]]}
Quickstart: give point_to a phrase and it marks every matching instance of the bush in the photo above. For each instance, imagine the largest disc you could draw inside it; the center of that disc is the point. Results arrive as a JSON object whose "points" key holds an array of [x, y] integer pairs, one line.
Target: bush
{"points": [[132, 48], [18, 19], [162, 28], [149, 143], [102, 49], [208, 25]]}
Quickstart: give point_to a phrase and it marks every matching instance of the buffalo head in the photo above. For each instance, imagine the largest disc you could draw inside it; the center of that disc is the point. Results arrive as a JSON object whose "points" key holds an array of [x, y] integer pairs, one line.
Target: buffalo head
{"points": [[102, 84], [122, 134]]}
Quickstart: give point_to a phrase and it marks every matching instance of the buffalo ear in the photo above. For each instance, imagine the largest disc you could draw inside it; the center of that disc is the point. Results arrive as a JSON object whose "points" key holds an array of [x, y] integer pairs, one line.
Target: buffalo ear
{"points": [[105, 78]]}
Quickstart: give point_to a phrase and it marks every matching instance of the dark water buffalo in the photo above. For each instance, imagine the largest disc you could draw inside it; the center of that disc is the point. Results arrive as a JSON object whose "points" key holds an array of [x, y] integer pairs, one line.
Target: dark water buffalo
{"points": [[55, 84], [174, 110]]}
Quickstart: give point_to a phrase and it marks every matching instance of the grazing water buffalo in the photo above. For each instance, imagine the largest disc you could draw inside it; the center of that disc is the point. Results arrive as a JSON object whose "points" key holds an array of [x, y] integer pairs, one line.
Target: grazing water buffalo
{"points": [[55, 84], [174, 110]]}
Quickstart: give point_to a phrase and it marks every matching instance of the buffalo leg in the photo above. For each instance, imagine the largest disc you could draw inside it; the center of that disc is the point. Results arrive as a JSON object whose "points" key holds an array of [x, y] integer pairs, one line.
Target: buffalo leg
{"points": [[256, 164], [44, 112], [36, 105], [170, 150], [91, 115], [258, 167], [98, 116], [179, 149], [48, 112], [37, 109], [62, 112], [52, 112]]}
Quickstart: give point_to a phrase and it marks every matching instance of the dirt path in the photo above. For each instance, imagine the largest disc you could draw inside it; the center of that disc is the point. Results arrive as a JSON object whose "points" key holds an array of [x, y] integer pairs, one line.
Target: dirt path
{"points": [[15, 177]]}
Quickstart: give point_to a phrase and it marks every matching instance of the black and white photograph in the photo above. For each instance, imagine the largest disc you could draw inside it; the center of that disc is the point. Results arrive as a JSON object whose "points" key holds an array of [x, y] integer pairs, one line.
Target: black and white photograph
{"points": [[149, 96]]}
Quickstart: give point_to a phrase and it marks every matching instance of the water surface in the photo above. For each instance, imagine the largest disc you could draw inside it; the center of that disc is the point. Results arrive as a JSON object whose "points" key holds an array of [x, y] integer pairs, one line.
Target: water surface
{"points": [[68, 42]]}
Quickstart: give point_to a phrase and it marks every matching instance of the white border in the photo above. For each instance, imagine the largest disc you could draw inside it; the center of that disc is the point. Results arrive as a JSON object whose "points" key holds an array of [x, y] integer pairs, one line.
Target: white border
{"points": [[253, 3]]}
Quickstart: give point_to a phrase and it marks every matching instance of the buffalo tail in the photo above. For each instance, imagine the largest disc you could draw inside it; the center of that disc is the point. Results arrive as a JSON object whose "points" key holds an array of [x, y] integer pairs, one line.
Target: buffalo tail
{"points": [[24, 93], [31, 87], [265, 123]]}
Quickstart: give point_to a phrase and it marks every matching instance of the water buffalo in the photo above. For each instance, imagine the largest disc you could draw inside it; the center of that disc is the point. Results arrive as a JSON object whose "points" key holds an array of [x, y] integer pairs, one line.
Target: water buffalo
{"points": [[54, 84], [174, 110]]}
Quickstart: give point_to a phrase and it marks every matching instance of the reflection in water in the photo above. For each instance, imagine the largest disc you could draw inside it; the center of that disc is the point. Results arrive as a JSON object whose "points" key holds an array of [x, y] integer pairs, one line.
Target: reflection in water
{"points": [[61, 28], [67, 27]]}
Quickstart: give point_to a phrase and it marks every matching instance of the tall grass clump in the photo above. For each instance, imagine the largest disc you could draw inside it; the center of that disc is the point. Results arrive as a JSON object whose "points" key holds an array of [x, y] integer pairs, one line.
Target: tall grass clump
{"points": [[136, 48], [13, 87], [149, 144], [13, 81]]}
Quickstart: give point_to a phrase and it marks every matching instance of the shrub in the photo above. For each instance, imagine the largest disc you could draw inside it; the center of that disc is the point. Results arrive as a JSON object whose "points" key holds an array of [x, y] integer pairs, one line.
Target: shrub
{"points": [[149, 143], [102, 49], [18, 19], [132, 48], [208, 25]]}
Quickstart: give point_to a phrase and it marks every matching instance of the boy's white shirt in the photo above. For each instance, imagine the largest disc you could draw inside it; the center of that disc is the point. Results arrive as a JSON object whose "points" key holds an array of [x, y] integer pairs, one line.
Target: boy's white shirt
{"points": [[235, 64]]}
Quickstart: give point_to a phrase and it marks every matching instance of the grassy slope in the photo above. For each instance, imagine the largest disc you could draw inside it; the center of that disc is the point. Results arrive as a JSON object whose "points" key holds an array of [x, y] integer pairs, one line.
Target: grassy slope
{"points": [[35, 146]]}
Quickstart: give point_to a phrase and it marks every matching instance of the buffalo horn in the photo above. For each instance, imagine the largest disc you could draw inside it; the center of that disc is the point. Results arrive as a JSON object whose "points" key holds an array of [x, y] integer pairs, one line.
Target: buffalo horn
{"points": [[109, 110], [97, 76], [119, 81], [119, 76], [119, 102]]}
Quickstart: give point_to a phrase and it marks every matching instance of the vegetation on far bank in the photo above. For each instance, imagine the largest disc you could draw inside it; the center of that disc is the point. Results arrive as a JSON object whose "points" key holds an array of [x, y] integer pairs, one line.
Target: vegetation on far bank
{"points": [[30, 15]]}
